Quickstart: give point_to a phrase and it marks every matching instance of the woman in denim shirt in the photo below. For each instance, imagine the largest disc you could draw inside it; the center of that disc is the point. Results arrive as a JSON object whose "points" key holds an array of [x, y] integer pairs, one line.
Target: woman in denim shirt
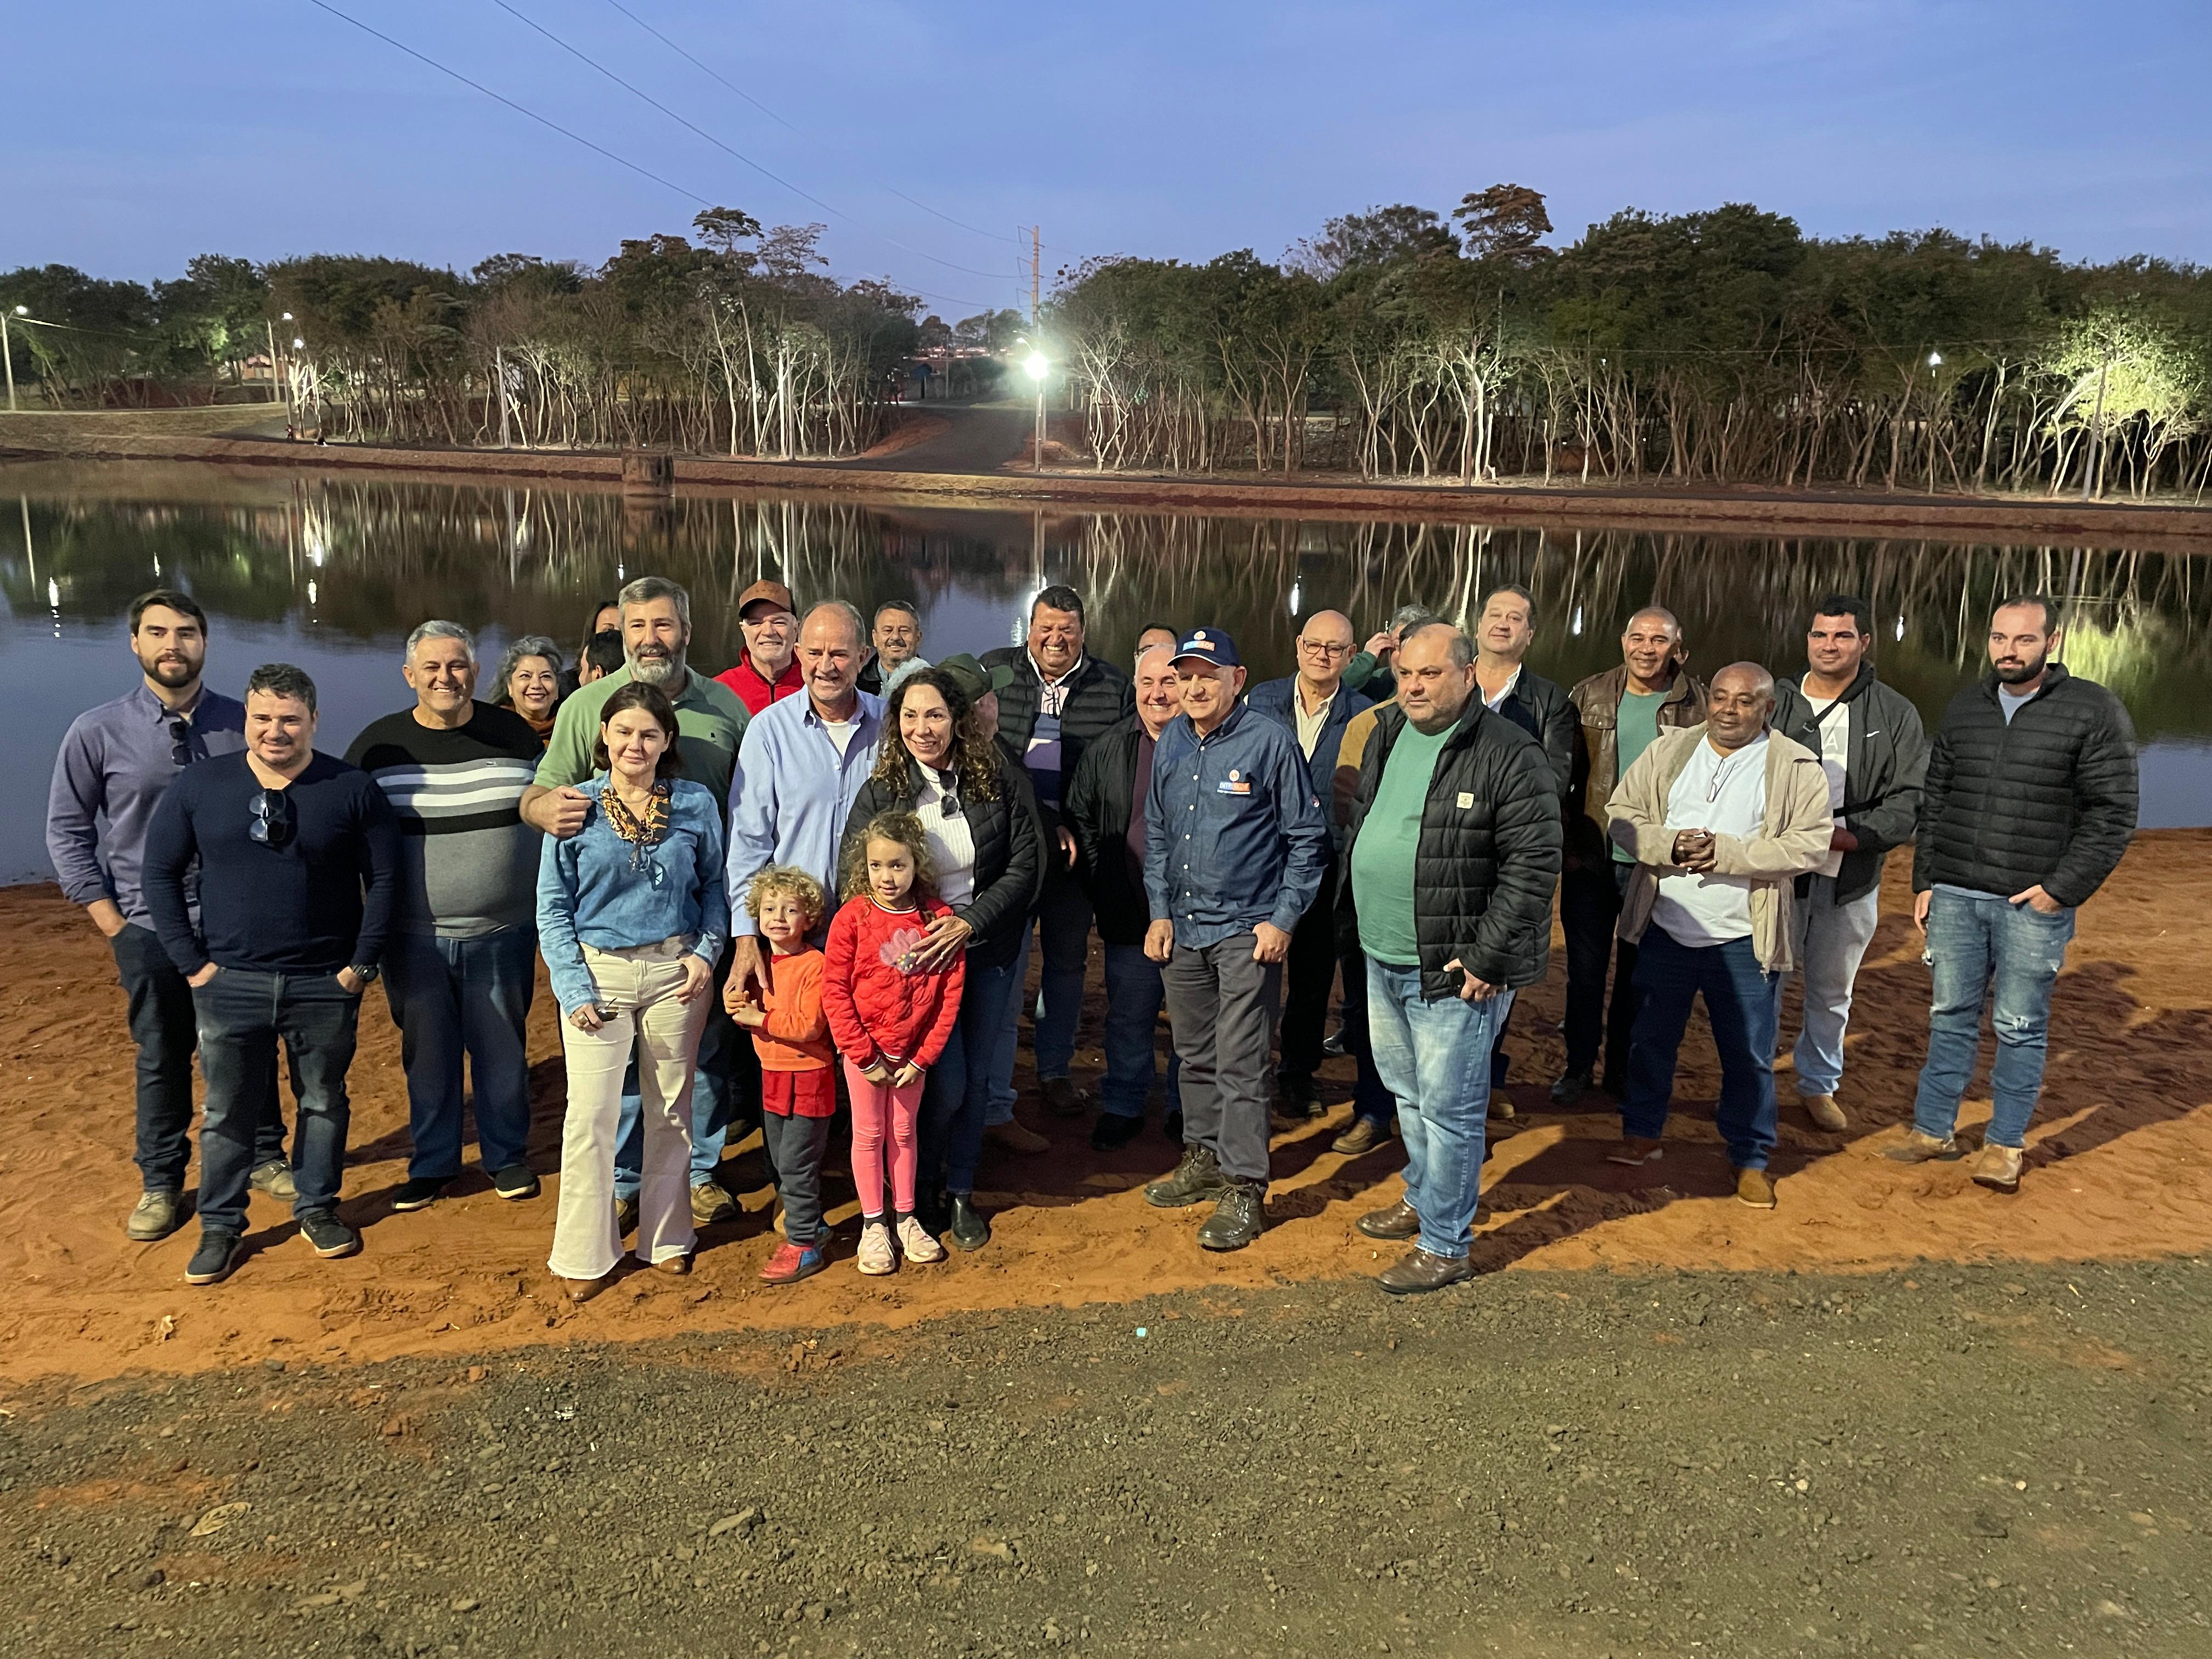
{"points": [[631, 915]]}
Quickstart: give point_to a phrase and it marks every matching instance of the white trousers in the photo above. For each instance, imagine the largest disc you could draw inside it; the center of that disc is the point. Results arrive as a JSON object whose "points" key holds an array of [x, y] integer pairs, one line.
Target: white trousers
{"points": [[637, 991], [1831, 940]]}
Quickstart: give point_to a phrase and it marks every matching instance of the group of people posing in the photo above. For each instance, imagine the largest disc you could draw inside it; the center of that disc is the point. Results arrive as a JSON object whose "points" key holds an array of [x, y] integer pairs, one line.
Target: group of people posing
{"points": [[807, 891]]}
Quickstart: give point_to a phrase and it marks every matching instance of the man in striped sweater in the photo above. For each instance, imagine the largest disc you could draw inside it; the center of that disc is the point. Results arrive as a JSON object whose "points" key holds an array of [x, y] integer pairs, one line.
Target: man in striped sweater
{"points": [[461, 962]]}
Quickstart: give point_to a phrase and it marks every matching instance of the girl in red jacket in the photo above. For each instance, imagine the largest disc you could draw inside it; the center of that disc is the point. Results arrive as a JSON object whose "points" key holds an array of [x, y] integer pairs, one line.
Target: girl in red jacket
{"points": [[892, 1011]]}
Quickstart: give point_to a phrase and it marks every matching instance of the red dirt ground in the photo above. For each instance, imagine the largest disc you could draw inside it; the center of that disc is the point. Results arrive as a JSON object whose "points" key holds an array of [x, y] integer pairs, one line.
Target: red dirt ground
{"points": [[2121, 1167]]}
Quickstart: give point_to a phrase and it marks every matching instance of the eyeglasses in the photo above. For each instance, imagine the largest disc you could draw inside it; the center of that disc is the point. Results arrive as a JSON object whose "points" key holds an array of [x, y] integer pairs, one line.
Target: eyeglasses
{"points": [[1325, 648], [272, 817], [180, 741]]}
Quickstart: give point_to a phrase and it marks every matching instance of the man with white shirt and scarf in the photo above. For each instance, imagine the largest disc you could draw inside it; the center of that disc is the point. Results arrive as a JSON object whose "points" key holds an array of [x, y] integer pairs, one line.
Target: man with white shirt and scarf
{"points": [[1721, 818]]}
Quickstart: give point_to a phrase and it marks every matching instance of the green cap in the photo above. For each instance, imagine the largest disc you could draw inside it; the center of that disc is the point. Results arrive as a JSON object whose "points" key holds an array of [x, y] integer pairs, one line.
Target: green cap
{"points": [[973, 679]]}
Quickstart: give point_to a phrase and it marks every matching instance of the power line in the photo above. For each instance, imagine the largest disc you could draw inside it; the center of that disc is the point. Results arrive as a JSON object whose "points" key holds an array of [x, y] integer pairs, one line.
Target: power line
{"points": [[575, 137], [584, 58]]}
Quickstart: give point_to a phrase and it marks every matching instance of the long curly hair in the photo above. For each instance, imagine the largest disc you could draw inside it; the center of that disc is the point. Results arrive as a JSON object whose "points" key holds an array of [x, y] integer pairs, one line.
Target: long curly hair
{"points": [[976, 765], [906, 830]]}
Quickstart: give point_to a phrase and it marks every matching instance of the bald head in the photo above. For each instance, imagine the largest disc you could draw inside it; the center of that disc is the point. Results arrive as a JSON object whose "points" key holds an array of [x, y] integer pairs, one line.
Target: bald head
{"points": [[1736, 711], [1325, 646]]}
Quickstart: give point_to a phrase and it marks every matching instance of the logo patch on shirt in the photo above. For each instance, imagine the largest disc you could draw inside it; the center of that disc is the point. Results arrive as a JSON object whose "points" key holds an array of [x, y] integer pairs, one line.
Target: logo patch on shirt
{"points": [[1466, 798]]}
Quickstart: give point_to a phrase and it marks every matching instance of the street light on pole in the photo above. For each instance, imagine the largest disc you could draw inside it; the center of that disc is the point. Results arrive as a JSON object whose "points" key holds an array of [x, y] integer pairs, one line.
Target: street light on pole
{"points": [[8, 354], [1038, 368], [1936, 387]]}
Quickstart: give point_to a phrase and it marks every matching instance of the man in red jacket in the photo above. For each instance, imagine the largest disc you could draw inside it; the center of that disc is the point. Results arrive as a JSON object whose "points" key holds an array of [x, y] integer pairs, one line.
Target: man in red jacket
{"points": [[768, 669]]}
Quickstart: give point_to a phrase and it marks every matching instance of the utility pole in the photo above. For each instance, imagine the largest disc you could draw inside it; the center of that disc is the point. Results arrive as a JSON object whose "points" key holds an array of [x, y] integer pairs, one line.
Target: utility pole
{"points": [[1036, 252], [2090, 470]]}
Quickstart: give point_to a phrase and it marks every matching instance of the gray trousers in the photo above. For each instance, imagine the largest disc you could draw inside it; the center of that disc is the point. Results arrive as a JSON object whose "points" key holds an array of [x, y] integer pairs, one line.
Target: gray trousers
{"points": [[1222, 1005], [796, 1146]]}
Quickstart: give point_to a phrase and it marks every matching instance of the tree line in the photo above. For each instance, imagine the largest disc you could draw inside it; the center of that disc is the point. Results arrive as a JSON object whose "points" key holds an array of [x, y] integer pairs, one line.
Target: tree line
{"points": [[732, 340], [1722, 346], [1718, 346]]}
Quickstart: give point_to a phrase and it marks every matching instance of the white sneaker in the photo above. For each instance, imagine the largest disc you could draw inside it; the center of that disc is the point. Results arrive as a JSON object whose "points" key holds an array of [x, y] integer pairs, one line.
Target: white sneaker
{"points": [[916, 1242], [876, 1254]]}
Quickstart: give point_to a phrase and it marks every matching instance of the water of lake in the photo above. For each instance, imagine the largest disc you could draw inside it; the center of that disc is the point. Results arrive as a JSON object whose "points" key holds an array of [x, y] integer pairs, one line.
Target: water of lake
{"points": [[331, 573]]}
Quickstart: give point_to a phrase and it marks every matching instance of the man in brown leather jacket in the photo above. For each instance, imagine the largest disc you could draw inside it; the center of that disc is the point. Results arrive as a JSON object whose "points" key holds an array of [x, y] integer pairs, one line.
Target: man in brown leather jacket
{"points": [[1619, 712]]}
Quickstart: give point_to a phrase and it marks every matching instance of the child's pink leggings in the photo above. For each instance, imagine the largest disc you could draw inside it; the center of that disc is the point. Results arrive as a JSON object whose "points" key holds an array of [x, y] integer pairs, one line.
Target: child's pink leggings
{"points": [[879, 1110]]}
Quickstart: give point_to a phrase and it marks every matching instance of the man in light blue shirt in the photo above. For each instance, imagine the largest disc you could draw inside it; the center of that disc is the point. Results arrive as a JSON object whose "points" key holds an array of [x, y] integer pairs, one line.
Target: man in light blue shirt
{"points": [[802, 762]]}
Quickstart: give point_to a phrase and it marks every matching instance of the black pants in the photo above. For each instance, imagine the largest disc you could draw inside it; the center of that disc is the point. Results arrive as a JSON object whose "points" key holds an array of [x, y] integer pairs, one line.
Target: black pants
{"points": [[163, 1025], [1308, 974], [794, 1146], [1589, 909]]}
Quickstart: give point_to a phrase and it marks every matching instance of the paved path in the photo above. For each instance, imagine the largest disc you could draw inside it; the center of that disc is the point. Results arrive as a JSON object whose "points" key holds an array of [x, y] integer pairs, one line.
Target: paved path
{"points": [[977, 438]]}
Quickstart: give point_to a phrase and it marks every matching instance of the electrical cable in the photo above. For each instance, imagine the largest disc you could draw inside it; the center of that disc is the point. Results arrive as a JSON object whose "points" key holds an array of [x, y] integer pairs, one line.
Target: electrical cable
{"points": [[577, 137], [804, 195]]}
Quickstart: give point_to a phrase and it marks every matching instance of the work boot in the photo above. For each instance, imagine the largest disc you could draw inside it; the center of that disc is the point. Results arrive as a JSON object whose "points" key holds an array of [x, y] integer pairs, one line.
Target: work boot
{"points": [[1825, 1113], [1754, 1187], [1917, 1148], [1239, 1216], [1014, 1136], [1400, 1220], [710, 1204], [1061, 1097], [1997, 1168], [1418, 1272], [1197, 1180], [968, 1229], [275, 1178], [158, 1214]]}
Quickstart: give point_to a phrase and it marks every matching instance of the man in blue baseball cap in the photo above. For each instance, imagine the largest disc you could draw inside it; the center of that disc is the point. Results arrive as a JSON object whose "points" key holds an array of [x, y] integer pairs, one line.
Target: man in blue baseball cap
{"points": [[1235, 845]]}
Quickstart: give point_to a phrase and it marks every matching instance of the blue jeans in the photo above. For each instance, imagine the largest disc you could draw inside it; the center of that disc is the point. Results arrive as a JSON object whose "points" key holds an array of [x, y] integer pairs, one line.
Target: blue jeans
{"points": [[1134, 994], [1434, 1057], [241, 1016], [727, 1068], [1063, 922], [955, 1094], [454, 996], [165, 1028], [1370, 1098], [1975, 942], [1831, 941], [1739, 997]]}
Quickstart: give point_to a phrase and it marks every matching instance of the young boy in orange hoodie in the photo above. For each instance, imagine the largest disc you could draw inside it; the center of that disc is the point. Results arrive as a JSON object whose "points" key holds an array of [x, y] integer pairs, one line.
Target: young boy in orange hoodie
{"points": [[798, 1087]]}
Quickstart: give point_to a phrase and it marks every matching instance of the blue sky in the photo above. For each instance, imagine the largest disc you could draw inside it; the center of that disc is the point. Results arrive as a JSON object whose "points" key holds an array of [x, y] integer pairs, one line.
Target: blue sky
{"points": [[140, 133]]}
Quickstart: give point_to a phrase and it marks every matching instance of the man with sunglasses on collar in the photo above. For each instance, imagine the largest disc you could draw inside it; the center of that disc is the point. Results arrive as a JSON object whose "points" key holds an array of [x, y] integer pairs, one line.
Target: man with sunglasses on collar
{"points": [[115, 763], [298, 855]]}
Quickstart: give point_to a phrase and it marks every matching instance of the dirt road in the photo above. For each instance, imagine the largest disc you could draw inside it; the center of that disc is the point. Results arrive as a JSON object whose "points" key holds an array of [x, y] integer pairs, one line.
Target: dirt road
{"points": [[1940, 1461]]}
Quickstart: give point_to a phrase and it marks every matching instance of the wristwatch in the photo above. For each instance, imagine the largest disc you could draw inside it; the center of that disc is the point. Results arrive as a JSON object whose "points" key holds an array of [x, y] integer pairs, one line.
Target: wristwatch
{"points": [[366, 975]]}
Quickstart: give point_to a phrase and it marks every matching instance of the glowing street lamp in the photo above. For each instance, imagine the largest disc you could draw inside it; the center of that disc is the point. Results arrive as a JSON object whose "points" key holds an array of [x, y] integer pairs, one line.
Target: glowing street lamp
{"points": [[1037, 369]]}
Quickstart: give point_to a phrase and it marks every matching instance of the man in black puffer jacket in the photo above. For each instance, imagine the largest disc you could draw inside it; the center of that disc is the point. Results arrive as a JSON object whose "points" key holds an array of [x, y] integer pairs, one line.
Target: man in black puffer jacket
{"points": [[1453, 855], [2029, 802], [1061, 700]]}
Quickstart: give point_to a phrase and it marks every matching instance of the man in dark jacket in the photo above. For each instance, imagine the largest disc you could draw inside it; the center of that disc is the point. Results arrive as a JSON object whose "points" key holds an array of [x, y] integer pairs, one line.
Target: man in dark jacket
{"points": [[1105, 810], [2029, 802], [1061, 700], [1313, 706], [1620, 713], [1235, 843], [1455, 849], [1872, 747], [1541, 707]]}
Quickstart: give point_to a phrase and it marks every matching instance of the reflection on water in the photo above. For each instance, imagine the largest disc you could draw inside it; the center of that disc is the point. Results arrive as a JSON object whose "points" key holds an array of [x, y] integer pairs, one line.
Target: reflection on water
{"points": [[331, 573]]}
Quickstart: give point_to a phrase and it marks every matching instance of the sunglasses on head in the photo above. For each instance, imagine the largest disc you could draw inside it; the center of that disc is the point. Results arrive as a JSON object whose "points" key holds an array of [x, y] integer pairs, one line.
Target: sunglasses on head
{"points": [[272, 817]]}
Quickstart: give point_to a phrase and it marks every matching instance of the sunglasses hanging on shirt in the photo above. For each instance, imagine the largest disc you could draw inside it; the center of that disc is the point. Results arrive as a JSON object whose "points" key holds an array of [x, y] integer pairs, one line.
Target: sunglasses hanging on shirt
{"points": [[180, 741], [272, 817]]}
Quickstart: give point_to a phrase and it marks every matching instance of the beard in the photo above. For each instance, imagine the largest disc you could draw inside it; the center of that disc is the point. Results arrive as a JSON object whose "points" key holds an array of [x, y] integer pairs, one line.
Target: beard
{"points": [[2021, 673], [170, 670], [653, 665]]}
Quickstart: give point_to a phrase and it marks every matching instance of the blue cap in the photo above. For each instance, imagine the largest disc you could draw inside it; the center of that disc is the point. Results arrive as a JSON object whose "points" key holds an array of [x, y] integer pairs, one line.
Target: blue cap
{"points": [[1213, 645]]}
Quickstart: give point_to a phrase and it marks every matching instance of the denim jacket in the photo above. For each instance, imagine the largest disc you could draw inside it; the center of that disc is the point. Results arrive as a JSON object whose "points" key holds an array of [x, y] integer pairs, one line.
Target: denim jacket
{"points": [[1234, 833], [588, 894]]}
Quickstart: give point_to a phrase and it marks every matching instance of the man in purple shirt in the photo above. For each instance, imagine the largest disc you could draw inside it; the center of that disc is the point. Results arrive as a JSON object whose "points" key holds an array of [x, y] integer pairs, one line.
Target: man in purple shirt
{"points": [[115, 763]]}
